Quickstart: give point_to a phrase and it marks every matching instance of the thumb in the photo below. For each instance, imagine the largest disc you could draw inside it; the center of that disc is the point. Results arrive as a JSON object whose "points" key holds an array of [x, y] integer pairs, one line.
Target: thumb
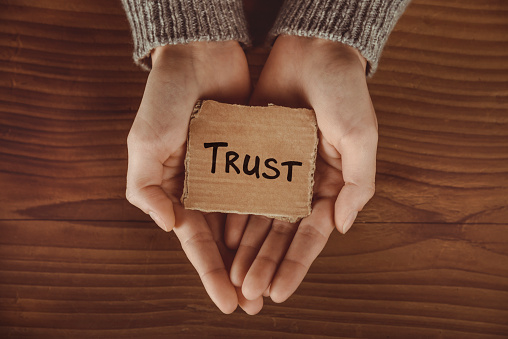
{"points": [[153, 201], [144, 179], [358, 153], [352, 198]]}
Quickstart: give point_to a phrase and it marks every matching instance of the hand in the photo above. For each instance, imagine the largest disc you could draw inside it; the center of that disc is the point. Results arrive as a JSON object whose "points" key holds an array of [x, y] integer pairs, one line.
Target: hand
{"points": [[181, 75], [274, 256]]}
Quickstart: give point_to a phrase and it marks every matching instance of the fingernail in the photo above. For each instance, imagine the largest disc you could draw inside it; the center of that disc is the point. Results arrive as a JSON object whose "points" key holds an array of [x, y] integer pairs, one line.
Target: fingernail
{"points": [[349, 221], [155, 217]]}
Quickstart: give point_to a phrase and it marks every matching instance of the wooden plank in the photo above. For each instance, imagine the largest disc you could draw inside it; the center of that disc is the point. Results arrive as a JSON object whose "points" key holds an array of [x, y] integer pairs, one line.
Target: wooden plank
{"points": [[69, 91], [131, 279], [427, 258]]}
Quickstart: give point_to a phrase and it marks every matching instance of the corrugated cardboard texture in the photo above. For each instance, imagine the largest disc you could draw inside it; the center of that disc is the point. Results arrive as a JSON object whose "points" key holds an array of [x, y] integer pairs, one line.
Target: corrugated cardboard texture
{"points": [[281, 137]]}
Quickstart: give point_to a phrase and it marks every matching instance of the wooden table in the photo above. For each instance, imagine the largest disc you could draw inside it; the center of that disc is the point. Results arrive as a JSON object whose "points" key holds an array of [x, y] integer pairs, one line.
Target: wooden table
{"points": [[427, 258]]}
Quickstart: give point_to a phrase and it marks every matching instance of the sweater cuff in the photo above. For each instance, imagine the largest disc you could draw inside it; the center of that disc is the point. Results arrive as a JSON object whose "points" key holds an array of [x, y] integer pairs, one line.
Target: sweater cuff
{"points": [[362, 24], [169, 22]]}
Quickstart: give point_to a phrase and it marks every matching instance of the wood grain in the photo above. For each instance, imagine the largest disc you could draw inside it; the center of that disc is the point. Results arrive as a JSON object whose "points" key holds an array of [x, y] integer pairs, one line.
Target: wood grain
{"points": [[428, 256], [123, 278]]}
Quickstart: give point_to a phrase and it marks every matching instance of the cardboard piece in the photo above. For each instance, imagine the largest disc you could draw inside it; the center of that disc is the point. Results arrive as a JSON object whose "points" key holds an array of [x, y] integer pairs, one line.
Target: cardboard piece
{"points": [[251, 160]]}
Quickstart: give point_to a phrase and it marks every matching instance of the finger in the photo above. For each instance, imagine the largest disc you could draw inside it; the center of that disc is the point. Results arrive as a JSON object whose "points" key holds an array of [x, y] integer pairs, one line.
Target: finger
{"points": [[144, 180], [270, 255], [216, 222], [255, 233], [250, 307], [309, 240], [358, 152], [199, 245], [235, 226], [266, 293]]}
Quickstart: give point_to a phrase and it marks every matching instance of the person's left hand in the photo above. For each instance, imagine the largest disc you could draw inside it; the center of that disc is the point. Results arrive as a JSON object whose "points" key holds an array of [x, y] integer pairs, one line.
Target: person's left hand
{"points": [[274, 256]]}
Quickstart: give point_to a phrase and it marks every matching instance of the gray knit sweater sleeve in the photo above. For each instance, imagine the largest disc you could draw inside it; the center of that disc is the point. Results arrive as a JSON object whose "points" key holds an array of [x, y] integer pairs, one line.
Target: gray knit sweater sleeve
{"points": [[167, 22], [362, 24]]}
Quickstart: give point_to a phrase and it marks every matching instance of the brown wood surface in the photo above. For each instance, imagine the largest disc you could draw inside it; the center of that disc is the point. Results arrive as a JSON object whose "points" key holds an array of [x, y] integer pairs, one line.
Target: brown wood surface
{"points": [[428, 257]]}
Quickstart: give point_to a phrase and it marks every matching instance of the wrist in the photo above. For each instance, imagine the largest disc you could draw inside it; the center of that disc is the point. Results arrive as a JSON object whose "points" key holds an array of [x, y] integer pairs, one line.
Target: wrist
{"points": [[157, 52], [193, 51], [338, 50], [353, 51], [162, 54]]}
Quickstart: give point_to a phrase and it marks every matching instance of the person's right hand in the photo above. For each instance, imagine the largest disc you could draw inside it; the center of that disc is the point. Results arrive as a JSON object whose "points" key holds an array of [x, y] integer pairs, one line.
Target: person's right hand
{"points": [[180, 75]]}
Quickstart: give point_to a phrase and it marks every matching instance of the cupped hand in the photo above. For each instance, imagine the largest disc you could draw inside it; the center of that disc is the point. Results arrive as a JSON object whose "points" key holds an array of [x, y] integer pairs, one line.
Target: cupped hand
{"points": [[181, 75], [273, 256]]}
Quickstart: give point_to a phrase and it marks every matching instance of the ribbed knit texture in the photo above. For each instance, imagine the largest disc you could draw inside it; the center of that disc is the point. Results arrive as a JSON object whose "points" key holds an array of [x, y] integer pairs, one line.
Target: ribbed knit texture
{"points": [[362, 24], [167, 22]]}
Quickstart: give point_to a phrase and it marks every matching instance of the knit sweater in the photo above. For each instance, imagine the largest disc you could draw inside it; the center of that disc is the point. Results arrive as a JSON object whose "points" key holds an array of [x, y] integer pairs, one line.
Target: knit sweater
{"points": [[362, 24]]}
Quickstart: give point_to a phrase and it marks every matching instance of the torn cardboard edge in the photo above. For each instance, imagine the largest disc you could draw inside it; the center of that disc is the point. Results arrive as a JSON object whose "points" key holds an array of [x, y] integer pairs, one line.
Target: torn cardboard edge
{"points": [[185, 193], [291, 217]]}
